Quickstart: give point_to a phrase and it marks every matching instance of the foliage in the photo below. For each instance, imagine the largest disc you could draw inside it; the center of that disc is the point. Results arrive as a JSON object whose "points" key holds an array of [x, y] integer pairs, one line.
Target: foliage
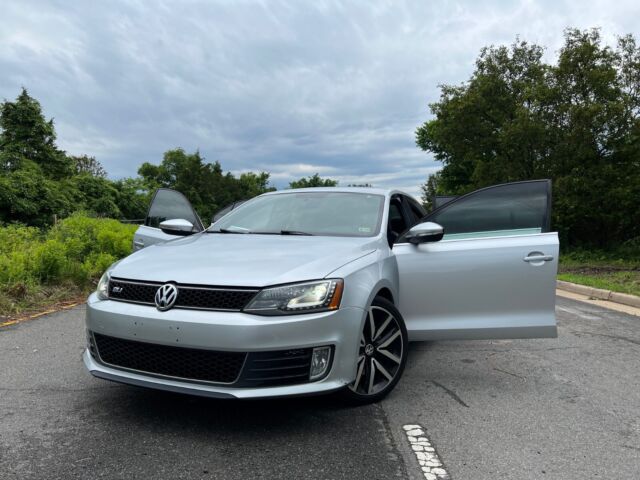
{"points": [[576, 122], [88, 165], [204, 184], [313, 181], [27, 138], [76, 251], [429, 190], [40, 183]]}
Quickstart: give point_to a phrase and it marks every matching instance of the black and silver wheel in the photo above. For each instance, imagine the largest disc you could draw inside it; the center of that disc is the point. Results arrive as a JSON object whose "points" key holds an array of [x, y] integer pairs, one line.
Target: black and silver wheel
{"points": [[382, 353]]}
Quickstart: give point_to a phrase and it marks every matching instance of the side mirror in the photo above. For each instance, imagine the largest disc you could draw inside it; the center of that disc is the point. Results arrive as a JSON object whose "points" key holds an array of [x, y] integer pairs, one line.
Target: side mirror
{"points": [[177, 226], [425, 232]]}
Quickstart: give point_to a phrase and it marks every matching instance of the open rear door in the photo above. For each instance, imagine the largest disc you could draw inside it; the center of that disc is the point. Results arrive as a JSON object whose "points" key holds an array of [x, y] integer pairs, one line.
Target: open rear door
{"points": [[493, 275], [167, 204]]}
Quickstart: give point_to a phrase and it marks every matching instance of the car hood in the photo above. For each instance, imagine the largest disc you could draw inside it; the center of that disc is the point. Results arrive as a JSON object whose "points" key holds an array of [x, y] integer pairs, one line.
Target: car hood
{"points": [[242, 259]]}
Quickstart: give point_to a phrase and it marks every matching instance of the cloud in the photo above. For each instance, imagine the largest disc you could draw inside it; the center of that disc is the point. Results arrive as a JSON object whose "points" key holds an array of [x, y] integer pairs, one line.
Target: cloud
{"points": [[293, 88]]}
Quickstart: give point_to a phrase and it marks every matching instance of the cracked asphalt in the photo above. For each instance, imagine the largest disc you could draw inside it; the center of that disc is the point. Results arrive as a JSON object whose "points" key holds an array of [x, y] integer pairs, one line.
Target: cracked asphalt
{"points": [[560, 408]]}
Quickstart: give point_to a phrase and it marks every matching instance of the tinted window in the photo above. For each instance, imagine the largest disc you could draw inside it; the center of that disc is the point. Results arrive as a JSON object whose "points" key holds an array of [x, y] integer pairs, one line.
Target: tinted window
{"points": [[317, 213], [169, 205], [515, 206], [397, 222], [415, 210]]}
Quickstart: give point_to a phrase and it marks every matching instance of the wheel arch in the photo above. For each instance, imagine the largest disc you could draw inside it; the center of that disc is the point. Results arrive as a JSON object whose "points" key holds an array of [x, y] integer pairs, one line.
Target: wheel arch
{"points": [[385, 293]]}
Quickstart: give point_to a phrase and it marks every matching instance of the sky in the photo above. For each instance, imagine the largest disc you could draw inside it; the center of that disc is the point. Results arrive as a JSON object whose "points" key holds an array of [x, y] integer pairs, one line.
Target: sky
{"points": [[289, 87]]}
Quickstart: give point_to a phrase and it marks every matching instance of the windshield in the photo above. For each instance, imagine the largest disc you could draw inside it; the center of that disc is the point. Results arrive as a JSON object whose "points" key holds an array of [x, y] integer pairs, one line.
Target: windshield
{"points": [[313, 213]]}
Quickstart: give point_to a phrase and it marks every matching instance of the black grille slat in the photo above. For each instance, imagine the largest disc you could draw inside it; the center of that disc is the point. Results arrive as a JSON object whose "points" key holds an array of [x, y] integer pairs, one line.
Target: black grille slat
{"points": [[271, 369], [279, 368], [271, 380], [188, 296], [178, 362]]}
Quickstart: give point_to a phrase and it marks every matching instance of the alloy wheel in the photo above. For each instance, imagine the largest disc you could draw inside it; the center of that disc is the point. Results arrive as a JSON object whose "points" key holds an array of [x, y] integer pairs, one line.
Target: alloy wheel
{"points": [[380, 354]]}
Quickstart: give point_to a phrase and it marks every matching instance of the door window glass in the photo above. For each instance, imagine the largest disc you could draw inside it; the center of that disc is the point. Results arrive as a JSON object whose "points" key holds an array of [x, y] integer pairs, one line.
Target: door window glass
{"points": [[169, 205], [510, 209], [397, 223], [415, 210]]}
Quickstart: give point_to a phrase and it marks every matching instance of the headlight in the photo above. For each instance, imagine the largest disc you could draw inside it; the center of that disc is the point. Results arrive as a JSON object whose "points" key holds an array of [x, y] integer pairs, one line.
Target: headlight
{"points": [[297, 298], [103, 286]]}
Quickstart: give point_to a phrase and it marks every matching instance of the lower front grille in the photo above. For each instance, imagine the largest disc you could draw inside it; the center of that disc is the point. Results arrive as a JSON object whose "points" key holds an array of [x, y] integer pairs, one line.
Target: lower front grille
{"points": [[179, 362], [236, 369]]}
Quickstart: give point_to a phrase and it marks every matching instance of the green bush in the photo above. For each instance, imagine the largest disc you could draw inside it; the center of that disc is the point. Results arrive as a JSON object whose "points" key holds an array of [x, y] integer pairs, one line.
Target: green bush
{"points": [[75, 252]]}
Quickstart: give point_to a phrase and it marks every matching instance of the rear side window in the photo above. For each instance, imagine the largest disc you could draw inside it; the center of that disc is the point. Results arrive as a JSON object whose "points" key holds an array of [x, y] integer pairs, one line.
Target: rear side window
{"points": [[170, 205], [510, 209]]}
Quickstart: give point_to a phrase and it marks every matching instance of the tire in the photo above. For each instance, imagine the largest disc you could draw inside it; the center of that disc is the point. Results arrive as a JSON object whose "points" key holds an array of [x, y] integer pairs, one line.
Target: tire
{"points": [[383, 351]]}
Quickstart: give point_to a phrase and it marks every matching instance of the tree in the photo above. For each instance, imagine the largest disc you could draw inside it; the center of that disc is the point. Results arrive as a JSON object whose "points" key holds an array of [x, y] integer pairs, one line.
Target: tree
{"points": [[254, 184], [27, 137], [429, 190], [576, 122], [132, 198], [313, 181], [89, 165], [206, 186], [38, 181]]}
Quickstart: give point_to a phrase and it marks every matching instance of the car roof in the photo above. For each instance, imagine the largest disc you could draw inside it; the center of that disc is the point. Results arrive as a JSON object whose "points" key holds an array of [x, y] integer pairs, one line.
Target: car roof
{"points": [[370, 190]]}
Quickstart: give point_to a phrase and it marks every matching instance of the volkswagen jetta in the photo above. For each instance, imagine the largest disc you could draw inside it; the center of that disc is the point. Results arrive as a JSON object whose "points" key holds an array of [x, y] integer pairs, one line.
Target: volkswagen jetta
{"points": [[316, 290]]}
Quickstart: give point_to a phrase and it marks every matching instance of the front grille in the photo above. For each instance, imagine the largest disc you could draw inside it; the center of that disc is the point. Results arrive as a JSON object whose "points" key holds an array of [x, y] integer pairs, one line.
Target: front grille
{"points": [[179, 362], [189, 296], [273, 369]]}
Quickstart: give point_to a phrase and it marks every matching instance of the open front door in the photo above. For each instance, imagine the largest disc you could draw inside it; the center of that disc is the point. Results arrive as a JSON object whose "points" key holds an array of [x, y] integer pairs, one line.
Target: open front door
{"points": [[166, 205], [492, 275]]}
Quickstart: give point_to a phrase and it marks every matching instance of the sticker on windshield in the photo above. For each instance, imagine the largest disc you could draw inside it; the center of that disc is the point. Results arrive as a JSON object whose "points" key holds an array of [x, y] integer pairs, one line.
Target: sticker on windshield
{"points": [[364, 229]]}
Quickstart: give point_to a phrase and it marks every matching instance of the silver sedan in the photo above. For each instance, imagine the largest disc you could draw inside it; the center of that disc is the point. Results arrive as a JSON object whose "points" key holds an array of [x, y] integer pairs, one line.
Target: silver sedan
{"points": [[318, 290]]}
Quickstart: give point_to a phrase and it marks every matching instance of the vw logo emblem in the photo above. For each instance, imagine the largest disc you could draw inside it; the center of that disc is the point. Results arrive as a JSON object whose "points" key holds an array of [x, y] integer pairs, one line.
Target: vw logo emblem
{"points": [[166, 296]]}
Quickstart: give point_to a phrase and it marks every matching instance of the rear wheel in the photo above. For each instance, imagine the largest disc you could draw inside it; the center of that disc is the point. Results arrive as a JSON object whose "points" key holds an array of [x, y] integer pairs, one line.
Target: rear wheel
{"points": [[382, 354]]}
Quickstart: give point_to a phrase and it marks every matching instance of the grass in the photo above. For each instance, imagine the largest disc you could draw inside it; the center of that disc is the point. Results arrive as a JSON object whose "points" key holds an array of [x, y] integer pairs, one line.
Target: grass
{"points": [[39, 269], [617, 270], [623, 281]]}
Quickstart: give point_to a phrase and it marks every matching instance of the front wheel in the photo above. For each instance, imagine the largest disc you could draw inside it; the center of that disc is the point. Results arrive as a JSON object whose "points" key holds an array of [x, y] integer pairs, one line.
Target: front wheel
{"points": [[382, 354]]}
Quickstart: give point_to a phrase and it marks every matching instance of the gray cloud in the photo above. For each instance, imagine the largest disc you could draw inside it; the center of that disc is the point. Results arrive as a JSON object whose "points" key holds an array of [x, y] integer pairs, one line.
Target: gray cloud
{"points": [[288, 87]]}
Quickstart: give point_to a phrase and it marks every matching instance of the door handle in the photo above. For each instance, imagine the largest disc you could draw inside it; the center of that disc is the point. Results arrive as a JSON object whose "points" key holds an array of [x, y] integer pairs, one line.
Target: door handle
{"points": [[138, 243], [538, 258]]}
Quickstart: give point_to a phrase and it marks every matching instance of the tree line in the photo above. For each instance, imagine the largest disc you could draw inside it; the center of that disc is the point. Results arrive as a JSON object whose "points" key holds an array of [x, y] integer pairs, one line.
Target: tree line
{"points": [[39, 182], [575, 121]]}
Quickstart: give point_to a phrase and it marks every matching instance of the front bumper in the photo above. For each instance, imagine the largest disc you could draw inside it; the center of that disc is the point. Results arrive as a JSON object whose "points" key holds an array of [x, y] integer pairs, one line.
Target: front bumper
{"points": [[226, 331]]}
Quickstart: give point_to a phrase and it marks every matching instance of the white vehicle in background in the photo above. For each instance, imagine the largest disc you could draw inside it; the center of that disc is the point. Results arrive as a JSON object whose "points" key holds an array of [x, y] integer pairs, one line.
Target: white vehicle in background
{"points": [[316, 290]]}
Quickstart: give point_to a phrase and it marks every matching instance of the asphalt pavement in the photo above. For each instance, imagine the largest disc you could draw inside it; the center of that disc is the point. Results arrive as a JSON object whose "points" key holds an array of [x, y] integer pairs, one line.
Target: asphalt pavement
{"points": [[560, 408]]}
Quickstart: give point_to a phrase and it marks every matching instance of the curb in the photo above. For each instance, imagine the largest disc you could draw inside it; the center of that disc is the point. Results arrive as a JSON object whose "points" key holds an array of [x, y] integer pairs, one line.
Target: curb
{"points": [[599, 293]]}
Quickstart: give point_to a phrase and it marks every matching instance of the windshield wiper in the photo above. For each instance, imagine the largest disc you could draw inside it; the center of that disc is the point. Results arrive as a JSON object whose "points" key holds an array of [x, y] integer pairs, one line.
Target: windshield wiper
{"points": [[245, 231], [294, 232], [230, 230]]}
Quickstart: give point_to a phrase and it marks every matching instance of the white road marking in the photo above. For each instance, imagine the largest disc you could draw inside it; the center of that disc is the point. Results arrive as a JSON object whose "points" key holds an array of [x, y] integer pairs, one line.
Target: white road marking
{"points": [[428, 458]]}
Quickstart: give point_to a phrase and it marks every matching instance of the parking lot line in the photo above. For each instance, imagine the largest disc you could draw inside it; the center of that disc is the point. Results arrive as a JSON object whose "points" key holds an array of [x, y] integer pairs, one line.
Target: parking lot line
{"points": [[428, 459]]}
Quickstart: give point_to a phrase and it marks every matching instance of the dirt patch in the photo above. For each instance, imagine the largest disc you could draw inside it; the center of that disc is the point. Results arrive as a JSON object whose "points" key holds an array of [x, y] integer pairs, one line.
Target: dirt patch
{"points": [[5, 321], [597, 270]]}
